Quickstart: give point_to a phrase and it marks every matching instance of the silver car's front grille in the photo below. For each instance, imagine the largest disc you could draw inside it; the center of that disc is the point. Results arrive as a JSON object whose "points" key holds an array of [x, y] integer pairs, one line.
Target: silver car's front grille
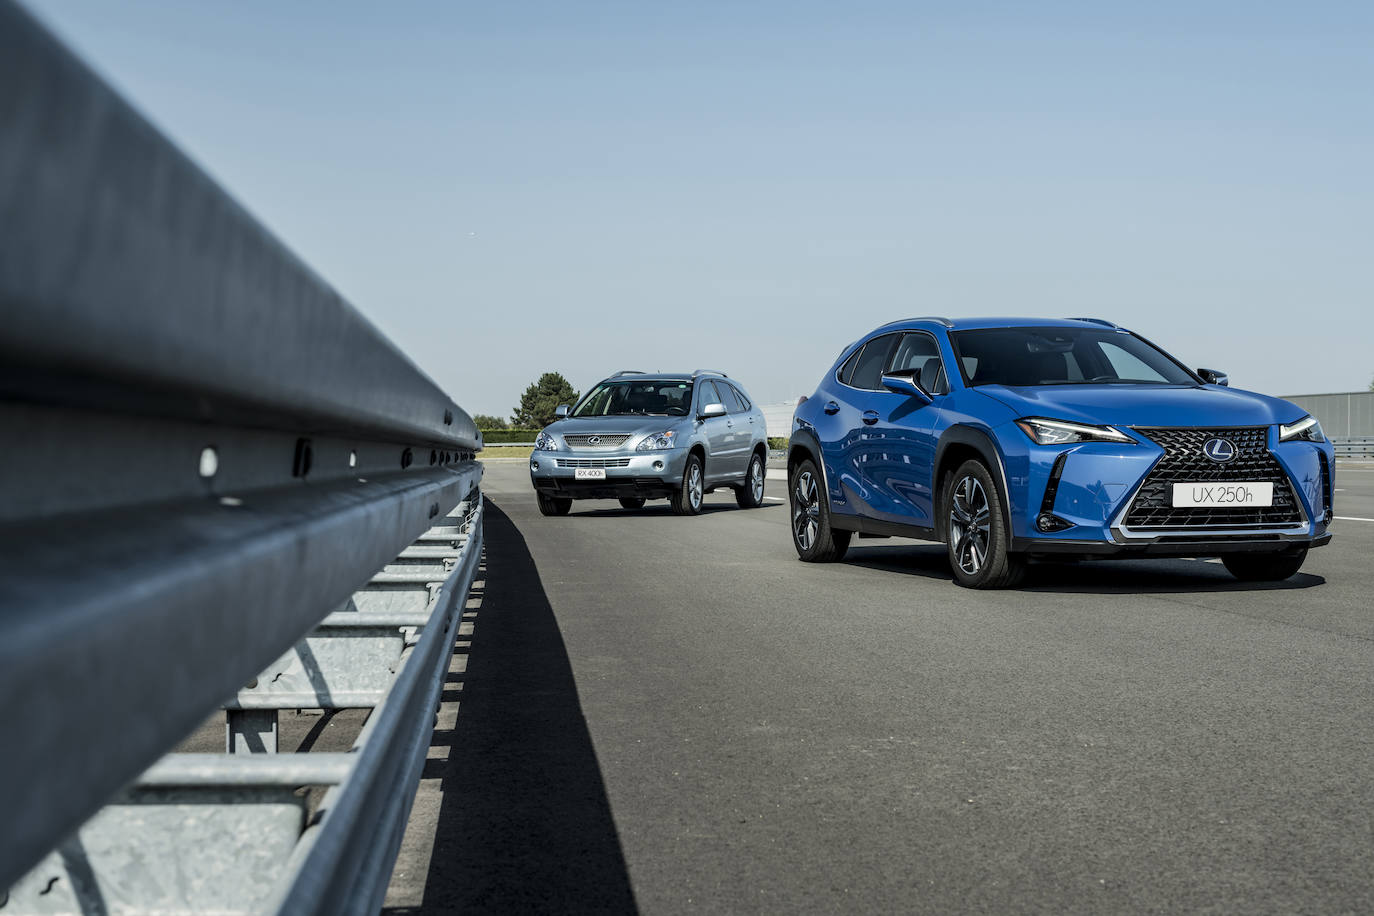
{"points": [[608, 440], [593, 462]]}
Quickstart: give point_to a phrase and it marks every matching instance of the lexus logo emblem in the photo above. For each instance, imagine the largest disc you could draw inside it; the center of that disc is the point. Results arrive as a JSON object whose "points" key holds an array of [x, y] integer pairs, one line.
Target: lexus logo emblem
{"points": [[593, 440], [1219, 450]]}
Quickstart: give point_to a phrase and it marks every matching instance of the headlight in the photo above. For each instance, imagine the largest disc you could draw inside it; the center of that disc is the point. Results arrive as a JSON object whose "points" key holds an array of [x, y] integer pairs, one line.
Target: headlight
{"points": [[1307, 428], [656, 442], [545, 443], [1060, 432]]}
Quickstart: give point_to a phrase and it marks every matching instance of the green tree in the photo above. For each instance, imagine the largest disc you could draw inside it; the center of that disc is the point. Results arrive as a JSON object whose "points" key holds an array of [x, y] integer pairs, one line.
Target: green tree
{"points": [[484, 421], [539, 401]]}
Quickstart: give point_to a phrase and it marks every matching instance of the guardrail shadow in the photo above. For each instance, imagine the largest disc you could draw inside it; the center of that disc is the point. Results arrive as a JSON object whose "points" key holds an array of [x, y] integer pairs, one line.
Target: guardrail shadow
{"points": [[1104, 577], [525, 824]]}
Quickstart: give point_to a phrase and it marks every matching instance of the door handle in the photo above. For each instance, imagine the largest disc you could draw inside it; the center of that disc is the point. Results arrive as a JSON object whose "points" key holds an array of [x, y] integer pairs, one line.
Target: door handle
{"points": [[832, 408], [870, 417]]}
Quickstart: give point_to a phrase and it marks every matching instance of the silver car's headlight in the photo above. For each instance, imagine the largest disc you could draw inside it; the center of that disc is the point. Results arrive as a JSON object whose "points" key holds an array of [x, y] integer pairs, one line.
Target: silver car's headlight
{"points": [[1307, 429], [1061, 432], [545, 443], [657, 442]]}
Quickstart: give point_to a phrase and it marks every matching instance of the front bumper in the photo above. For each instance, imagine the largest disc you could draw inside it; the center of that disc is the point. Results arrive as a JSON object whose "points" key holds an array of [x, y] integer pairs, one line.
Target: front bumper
{"points": [[629, 475], [1096, 485]]}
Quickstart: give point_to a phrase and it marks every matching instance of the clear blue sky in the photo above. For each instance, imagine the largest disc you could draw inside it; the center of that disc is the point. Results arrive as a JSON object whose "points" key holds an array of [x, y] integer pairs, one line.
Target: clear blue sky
{"points": [[509, 188]]}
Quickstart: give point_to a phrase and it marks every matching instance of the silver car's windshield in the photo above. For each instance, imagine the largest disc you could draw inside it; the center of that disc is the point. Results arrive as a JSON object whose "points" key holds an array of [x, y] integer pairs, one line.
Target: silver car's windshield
{"points": [[637, 397]]}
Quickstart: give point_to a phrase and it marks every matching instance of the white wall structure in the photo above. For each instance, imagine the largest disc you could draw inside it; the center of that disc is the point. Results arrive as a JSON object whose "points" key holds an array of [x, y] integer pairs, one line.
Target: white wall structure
{"points": [[779, 417]]}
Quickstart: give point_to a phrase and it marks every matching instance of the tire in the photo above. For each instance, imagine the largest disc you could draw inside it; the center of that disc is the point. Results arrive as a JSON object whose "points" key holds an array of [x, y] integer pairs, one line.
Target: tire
{"points": [[749, 494], [1264, 567], [812, 536], [553, 505], [686, 499], [632, 502], [976, 530]]}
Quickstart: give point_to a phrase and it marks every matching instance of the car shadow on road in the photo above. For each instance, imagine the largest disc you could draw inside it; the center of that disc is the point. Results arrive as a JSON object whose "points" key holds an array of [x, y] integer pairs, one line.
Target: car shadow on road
{"points": [[525, 824], [662, 508], [1106, 577]]}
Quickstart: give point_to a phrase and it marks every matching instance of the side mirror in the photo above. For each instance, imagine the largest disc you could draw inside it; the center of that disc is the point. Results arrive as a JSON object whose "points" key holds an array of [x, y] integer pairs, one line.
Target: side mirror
{"points": [[1214, 377], [712, 410], [907, 382], [561, 411]]}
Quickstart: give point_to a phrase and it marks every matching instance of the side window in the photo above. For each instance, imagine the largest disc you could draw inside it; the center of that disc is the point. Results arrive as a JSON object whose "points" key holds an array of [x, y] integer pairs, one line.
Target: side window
{"points": [[710, 394], [737, 403], [847, 370], [868, 371], [919, 351]]}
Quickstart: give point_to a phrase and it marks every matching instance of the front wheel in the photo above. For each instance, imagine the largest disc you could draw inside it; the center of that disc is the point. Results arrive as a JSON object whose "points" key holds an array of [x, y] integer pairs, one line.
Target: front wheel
{"points": [[686, 499], [812, 536], [976, 530], [553, 505], [750, 494], [1264, 567]]}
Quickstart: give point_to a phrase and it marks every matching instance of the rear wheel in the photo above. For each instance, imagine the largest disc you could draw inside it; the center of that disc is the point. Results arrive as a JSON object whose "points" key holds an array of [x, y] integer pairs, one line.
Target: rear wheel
{"points": [[812, 536], [976, 530], [686, 499], [1264, 567], [632, 502], [749, 495], [553, 505]]}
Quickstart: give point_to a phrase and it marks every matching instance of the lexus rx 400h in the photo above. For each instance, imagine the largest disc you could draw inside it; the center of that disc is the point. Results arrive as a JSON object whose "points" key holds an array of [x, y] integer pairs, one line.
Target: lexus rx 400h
{"points": [[637, 436], [1012, 440]]}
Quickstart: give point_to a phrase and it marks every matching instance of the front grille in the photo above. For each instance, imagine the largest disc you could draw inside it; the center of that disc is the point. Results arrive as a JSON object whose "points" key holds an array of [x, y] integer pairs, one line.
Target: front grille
{"points": [[1184, 462], [593, 462], [604, 441]]}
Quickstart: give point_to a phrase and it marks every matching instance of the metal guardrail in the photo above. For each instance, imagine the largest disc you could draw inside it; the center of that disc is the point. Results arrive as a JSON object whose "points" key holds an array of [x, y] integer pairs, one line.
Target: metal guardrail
{"points": [[208, 456], [1354, 447]]}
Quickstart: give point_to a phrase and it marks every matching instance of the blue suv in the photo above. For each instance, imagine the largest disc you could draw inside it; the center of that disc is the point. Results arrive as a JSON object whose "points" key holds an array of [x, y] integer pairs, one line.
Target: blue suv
{"points": [[1014, 439]]}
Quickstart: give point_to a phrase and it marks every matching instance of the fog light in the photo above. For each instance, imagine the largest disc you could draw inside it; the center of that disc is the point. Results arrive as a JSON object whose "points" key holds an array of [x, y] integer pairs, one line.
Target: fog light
{"points": [[534, 465], [658, 465], [1047, 522]]}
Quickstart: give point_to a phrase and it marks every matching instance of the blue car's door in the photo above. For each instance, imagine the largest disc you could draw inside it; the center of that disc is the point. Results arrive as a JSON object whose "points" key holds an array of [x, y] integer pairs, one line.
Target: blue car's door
{"points": [[895, 456]]}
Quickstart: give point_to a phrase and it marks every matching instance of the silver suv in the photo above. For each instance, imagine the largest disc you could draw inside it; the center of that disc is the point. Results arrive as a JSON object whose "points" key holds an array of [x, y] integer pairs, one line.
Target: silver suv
{"points": [[637, 436]]}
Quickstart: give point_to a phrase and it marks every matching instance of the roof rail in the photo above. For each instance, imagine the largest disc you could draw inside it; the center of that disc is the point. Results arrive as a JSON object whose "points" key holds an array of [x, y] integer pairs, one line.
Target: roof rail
{"points": [[627, 372], [696, 372], [944, 321], [1102, 321]]}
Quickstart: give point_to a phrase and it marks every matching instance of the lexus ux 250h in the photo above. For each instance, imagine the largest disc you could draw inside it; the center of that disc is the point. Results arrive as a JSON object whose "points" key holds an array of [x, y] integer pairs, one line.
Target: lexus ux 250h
{"points": [[1012, 440]]}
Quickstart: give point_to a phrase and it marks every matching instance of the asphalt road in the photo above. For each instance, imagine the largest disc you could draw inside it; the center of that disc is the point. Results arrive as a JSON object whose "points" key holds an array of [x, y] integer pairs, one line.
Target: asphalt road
{"points": [[675, 714]]}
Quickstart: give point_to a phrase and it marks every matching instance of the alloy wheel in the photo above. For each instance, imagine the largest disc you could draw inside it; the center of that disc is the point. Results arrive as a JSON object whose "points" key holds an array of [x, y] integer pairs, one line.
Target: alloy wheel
{"points": [[806, 510], [694, 493], [756, 480], [969, 525]]}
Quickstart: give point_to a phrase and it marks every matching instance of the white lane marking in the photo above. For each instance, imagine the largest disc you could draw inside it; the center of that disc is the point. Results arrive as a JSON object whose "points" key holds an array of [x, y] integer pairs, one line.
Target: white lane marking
{"points": [[774, 499], [776, 474], [1351, 518]]}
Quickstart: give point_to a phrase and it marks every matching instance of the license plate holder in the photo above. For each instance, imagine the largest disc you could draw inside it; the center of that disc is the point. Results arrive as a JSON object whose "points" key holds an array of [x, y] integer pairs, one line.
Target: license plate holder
{"points": [[1237, 494]]}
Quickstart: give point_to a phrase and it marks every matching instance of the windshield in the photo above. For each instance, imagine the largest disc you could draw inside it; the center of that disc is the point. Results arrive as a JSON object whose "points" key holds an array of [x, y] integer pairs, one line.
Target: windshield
{"points": [[637, 397], [1063, 356]]}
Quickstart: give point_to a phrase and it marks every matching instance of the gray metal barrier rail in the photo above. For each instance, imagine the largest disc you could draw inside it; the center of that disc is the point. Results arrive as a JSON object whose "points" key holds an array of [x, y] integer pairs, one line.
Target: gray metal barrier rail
{"points": [[206, 452], [1354, 447]]}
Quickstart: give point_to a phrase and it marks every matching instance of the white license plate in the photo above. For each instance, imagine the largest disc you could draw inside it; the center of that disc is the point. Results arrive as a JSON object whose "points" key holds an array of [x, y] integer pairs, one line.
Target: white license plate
{"points": [[599, 474], [1222, 495]]}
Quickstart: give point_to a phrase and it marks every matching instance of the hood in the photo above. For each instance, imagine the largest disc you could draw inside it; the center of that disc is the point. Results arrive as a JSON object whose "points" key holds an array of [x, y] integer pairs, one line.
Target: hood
{"points": [[1146, 405]]}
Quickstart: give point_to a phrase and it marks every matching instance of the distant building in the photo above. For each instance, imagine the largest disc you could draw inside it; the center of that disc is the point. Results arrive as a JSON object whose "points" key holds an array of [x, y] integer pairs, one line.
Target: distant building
{"points": [[1342, 416], [779, 418]]}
